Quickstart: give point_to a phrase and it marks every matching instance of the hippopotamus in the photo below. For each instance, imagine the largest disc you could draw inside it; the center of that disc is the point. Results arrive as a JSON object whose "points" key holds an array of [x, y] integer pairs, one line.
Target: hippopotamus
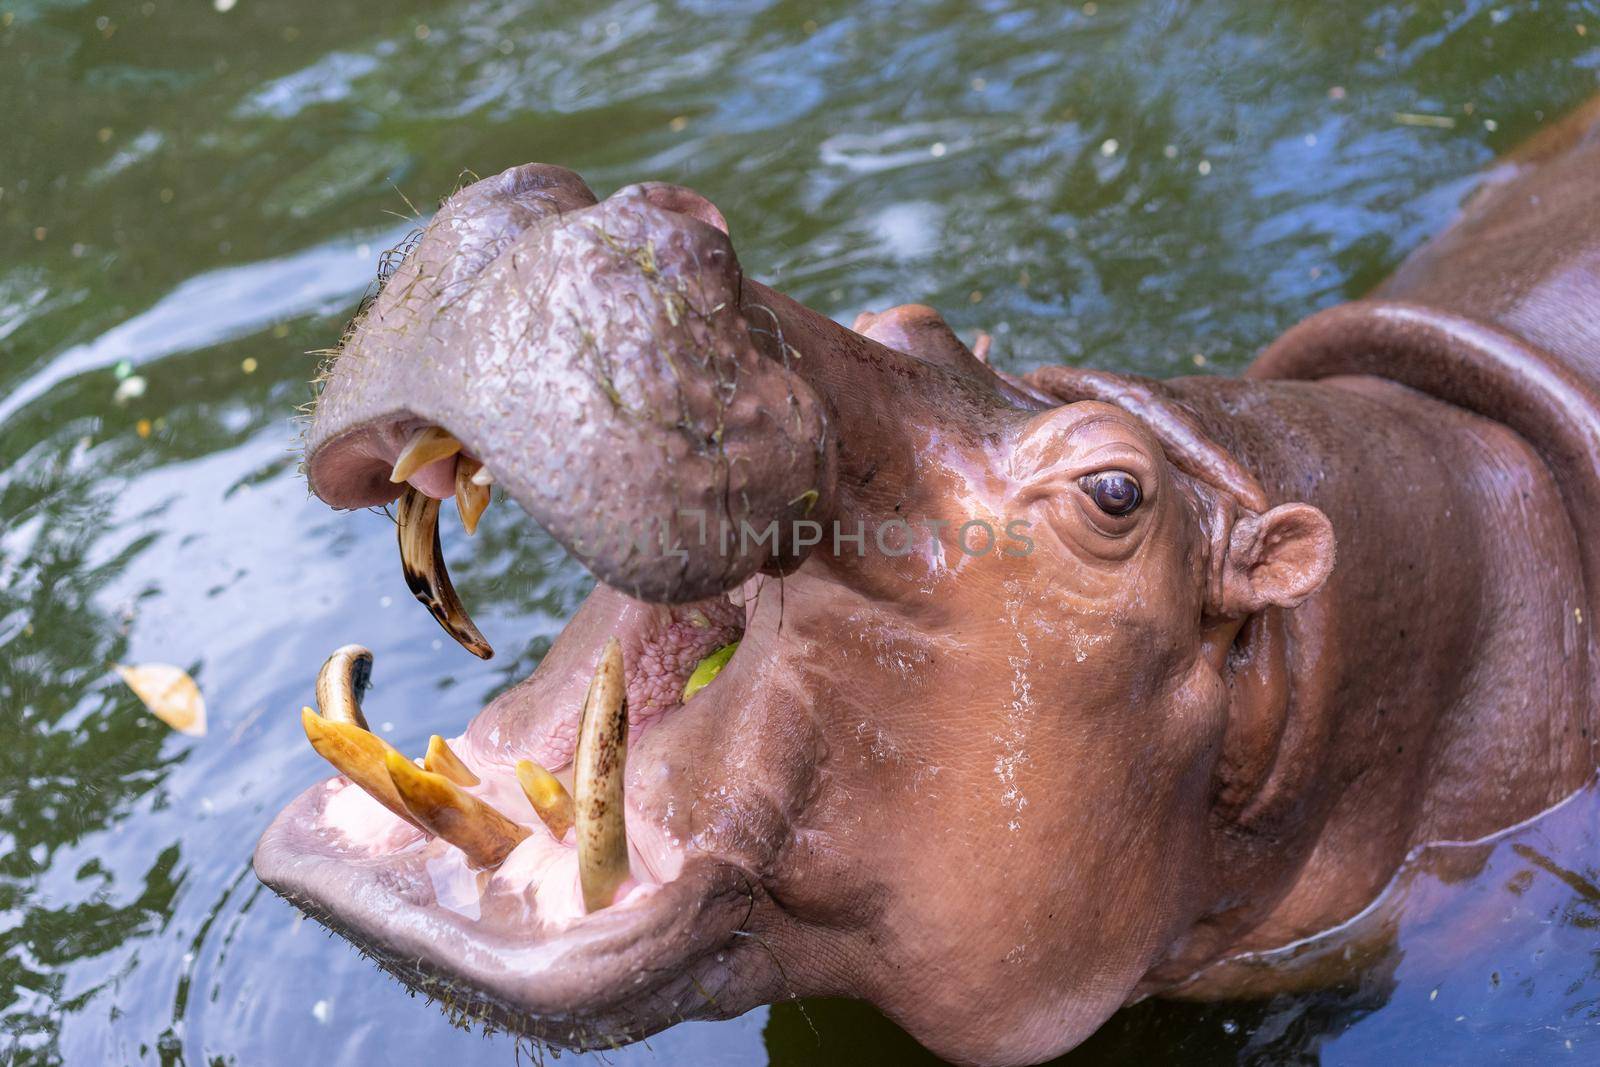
{"points": [[998, 701]]}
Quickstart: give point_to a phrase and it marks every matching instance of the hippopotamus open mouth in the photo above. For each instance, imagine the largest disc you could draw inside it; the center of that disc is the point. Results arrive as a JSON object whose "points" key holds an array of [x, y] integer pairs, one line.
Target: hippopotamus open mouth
{"points": [[929, 600]]}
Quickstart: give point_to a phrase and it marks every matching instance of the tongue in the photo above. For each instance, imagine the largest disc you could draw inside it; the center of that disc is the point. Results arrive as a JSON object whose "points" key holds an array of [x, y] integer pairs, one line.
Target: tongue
{"points": [[437, 479]]}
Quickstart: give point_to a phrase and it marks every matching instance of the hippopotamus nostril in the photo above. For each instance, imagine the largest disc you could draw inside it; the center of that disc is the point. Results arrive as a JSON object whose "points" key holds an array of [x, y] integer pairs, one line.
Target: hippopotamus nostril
{"points": [[681, 200]]}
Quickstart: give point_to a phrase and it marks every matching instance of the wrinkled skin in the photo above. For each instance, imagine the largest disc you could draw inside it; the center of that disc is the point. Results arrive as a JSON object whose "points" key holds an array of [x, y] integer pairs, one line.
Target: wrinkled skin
{"points": [[997, 795]]}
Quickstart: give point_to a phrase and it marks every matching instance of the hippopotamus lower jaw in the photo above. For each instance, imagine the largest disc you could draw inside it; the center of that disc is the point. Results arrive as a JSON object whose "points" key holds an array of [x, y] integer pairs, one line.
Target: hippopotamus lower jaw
{"points": [[515, 944], [619, 974]]}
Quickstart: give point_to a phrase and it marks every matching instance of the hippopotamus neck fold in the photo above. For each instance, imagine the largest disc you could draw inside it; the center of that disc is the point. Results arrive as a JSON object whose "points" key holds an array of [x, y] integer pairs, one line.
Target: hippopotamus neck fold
{"points": [[1470, 380], [1378, 456]]}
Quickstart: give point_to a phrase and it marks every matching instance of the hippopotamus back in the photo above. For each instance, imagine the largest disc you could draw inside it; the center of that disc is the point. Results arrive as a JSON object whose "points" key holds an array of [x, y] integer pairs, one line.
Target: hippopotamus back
{"points": [[1499, 314], [1525, 254]]}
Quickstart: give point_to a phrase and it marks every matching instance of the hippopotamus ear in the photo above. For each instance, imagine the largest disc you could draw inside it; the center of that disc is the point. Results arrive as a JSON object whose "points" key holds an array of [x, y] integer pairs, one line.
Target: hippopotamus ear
{"points": [[1276, 559], [919, 330]]}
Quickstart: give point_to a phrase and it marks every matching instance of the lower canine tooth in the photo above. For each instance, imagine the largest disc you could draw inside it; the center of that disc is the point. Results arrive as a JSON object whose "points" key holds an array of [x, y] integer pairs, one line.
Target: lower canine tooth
{"points": [[549, 797], [440, 760], [359, 756], [425, 572], [443, 809], [342, 682], [598, 769], [426, 446], [472, 497]]}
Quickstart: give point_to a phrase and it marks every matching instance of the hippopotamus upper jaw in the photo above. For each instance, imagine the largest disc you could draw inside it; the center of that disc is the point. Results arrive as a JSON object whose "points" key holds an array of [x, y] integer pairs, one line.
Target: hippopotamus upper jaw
{"points": [[597, 359]]}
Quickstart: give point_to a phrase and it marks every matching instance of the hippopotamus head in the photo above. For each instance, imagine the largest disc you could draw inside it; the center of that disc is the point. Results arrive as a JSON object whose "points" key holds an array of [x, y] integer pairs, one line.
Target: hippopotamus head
{"points": [[962, 761]]}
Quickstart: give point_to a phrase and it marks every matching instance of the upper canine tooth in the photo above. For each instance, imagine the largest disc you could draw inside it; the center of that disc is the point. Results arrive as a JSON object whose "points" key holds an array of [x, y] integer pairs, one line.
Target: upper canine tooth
{"points": [[426, 445], [342, 682], [482, 476], [423, 563], [549, 797], [359, 756], [441, 760], [444, 810], [472, 496], [599, 766]]}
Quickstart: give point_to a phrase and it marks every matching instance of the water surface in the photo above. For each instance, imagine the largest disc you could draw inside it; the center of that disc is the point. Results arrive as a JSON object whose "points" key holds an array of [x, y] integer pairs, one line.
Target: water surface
{"points": [[193, 195]]}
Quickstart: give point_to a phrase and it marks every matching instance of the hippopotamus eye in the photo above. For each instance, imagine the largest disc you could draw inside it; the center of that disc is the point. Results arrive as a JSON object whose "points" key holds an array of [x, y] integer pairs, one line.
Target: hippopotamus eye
{"points": [[1113, 492]]}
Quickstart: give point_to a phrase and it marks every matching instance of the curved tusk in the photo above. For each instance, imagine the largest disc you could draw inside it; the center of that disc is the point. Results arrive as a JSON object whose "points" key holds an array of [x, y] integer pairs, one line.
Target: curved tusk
{"points": [[358, 755], [425, 446], [441, 760], [342, 682], [426, 576], [472, 496]]}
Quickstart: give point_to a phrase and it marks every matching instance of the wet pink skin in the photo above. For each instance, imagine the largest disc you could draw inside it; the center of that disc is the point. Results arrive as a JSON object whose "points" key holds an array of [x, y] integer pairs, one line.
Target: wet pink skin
{"points": [[997, 794], [437, 479]]}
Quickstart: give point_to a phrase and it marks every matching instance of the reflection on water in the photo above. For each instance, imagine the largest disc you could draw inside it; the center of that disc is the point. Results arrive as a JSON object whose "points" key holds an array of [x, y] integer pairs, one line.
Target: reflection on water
{"points": [[200, 195]]}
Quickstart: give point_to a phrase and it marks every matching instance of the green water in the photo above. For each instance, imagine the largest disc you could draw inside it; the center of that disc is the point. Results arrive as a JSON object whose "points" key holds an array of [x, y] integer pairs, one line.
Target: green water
{"points": [[1155, 186]]}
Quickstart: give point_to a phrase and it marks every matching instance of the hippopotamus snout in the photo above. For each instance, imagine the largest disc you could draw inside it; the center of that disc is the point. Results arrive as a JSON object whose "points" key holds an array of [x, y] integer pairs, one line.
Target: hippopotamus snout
{"points": [[597, 358]]}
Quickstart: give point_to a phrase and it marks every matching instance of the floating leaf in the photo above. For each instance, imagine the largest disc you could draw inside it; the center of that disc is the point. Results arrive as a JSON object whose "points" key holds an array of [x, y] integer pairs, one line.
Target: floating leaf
{"points": [[170, 694]]}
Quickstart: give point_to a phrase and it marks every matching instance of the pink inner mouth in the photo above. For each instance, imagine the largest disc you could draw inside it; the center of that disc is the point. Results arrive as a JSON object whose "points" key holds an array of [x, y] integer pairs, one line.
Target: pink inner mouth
{"points": [[538, 882], [437, 479]]}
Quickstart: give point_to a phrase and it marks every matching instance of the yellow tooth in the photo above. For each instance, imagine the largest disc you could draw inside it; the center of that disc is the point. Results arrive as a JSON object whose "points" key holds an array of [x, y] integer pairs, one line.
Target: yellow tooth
{"points": [[440, 760], [471, 496], [359, 756], [598, 768], [444, 810], [342, 682], [549, 797], [426, 445], [423, 564]]}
